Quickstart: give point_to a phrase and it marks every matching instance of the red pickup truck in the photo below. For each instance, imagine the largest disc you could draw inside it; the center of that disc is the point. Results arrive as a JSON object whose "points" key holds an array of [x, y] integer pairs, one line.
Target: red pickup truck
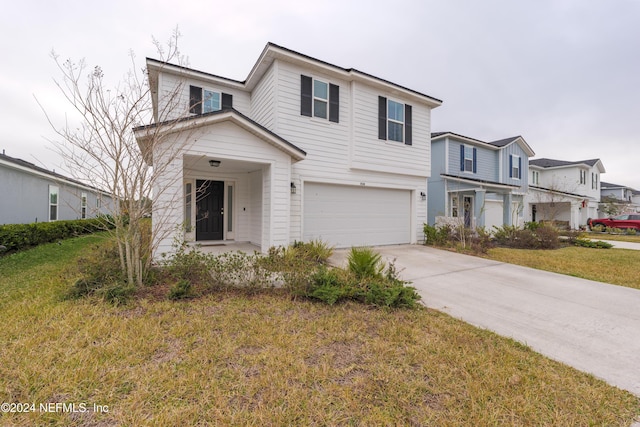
{"points": [[620, 221]]}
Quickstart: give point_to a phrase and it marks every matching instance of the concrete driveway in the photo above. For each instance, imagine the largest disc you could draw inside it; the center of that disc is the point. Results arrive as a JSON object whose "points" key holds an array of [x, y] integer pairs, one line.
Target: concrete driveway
{"points": [[592, 326]]}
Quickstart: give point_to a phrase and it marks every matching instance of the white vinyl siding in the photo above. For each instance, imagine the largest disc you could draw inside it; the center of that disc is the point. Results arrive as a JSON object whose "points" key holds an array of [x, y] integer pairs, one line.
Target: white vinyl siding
{"points": [[53, 202], [372, 154]]}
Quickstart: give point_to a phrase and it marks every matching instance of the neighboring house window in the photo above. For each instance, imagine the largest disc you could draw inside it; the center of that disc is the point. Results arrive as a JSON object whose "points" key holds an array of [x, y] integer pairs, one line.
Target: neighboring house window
{"points": [[53, 203], [594, 180], [454, 206], [583, 176], [83, 205], [468, 158], [206, 101], [319, 99], [515, 166], [535, 177], [395, 121], [98, 201]]}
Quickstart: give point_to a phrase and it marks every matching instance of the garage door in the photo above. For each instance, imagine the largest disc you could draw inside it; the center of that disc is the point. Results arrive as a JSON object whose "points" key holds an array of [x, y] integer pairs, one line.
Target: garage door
{"points": [[347, 216]]}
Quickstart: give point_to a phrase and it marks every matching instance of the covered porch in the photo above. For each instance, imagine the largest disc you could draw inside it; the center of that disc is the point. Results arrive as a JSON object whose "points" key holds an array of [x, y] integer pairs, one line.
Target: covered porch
{"points": [[474, 203], [227, 181]]}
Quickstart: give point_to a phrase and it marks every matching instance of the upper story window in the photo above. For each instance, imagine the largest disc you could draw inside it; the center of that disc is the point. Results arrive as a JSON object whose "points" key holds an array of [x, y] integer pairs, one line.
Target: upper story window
{"points": [[206, 101], [394, 121], [583, 176], [319, 99], [395, 115], [535, 177], [515, 166], [594, 180], [468, 158], [53, 203]]}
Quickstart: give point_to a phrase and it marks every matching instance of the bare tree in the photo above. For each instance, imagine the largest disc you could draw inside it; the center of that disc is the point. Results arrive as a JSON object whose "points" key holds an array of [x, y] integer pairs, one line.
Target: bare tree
{"points": [[100, 148]]}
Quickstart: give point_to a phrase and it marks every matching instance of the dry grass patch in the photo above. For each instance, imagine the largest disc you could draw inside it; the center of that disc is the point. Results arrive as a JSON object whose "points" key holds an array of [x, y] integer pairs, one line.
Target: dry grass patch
{"points": [[615, 266], [233, 359]]}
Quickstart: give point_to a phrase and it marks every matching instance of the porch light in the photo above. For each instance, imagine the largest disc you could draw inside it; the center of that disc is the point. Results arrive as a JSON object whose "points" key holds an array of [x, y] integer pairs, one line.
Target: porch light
{"points": [[423, 196], [214, 163], [293, 188]]}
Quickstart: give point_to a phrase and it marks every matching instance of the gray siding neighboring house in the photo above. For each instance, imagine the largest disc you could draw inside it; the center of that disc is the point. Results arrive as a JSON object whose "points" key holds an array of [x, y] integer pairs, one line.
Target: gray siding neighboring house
{"points": [[476, 183], [29, 193]]}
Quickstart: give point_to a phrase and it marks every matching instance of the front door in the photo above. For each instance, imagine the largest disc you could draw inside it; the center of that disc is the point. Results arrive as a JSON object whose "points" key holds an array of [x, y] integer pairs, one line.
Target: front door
{"points": [[467, 205], [209, 210]]}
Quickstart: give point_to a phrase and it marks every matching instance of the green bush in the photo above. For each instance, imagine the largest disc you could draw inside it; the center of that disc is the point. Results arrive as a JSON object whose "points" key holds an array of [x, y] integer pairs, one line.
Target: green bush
{"points": [[101, 276], [15, 237], [365, 263], [437, 236], [542, 236], [181, 290], [597, 244]]}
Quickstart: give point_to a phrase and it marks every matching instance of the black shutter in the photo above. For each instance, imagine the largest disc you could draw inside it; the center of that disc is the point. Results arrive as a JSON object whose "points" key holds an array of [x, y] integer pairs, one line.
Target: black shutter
{"points": [[462, 157], [227, 100], [475, 160], [407, 124], [195, 99], [306, 99], [519, 167], [334, 103], [382, 117]]}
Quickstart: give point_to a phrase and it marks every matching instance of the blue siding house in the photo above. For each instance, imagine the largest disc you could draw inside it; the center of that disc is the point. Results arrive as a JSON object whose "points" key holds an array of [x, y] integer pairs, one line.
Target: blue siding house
{"points": [[29, 193], [476, 183]]}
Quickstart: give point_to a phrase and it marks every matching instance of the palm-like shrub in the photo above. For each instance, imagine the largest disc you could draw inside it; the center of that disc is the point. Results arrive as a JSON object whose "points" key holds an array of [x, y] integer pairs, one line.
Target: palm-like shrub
{"points": [[365, 263]]}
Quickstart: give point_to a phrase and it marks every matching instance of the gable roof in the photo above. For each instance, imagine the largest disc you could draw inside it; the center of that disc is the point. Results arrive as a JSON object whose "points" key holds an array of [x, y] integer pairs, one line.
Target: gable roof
{"points": [[553, 163], [144, 133], [610, 186], [493, 144], [272, 52], [31, 168]]}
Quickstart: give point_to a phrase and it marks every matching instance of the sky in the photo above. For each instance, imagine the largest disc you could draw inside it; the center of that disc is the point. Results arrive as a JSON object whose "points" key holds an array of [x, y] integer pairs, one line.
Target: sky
{"points": [[563, 74]]}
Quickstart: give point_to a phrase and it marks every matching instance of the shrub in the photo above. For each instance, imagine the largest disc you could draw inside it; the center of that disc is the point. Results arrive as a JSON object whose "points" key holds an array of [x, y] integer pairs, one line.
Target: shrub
{"points": [[181, 290], [20, 236], [597, 244], [365, 263], [315, 251], [101, 276], [437, 236], [331, 285], [543, 236]]}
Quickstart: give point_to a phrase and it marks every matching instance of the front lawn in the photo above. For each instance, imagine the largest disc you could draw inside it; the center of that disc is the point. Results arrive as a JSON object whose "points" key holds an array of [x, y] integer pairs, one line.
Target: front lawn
{"points": [[233, 359], [615, 266]]}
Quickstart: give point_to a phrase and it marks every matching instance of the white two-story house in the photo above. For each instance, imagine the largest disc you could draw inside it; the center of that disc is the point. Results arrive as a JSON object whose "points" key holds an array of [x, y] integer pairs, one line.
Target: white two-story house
{"points": [[564, 191], [300, 150], [476, 183]]}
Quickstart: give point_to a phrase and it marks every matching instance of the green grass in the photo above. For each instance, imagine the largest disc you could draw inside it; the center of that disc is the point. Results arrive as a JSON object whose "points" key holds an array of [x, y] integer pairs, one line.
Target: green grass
{"points": [[233, 359], [615, 266], [615, 237]]}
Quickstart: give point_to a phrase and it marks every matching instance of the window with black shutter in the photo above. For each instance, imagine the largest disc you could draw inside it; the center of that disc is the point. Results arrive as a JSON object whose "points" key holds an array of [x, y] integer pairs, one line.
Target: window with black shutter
{"points": [[319, 99], [395, 121]]}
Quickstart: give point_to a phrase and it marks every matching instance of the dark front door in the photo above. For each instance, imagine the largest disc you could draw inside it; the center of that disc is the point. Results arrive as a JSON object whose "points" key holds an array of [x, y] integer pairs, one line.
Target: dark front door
{"points": [[209, 210]]}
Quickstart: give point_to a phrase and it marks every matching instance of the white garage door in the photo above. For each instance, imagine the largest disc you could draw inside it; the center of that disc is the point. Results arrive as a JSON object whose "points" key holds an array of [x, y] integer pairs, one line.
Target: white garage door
{"points": [[356, 216]]}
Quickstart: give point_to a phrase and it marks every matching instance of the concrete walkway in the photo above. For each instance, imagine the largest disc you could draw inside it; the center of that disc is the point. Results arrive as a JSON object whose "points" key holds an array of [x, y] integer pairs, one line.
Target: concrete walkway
{"points": [[621, 245], [592, 326]]}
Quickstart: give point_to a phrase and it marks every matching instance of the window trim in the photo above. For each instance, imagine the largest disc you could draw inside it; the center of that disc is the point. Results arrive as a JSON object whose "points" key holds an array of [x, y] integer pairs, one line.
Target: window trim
{"points": [[513, 167], [54, 190], [315, 98], [384, 120], [83, 205], [473, 159], [308, 98]]}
